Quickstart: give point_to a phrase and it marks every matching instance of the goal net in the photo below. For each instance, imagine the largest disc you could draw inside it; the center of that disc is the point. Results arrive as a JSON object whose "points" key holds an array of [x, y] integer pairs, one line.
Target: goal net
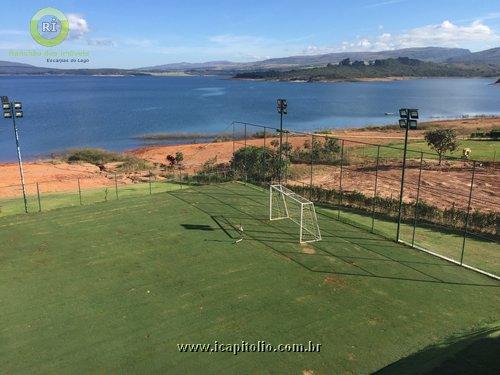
{"points": [[285, 204]]}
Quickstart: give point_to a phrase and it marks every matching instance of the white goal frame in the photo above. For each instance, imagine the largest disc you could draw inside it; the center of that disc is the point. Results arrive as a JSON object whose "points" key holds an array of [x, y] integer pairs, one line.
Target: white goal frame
{"points": [[307, 220]]}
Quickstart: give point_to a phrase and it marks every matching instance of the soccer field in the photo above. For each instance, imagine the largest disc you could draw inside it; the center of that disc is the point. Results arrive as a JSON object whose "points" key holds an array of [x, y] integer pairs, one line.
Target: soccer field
{"points": [[116, 286]]}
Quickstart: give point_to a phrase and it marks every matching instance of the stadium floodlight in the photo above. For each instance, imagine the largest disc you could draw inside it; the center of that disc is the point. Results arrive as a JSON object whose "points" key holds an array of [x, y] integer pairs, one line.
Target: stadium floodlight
{"points": [[282, 106], [285, 204], [282, 110], [407, 121], [13, 111]]}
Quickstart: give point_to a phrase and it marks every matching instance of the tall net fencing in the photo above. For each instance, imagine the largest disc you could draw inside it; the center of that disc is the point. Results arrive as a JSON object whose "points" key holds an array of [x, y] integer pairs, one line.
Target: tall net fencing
{"points": [[450, 207]]}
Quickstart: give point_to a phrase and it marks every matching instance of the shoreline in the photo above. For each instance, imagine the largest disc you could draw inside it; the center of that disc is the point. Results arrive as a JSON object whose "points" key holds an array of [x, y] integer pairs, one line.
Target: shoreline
{"points": [[186, 139], [56, 175]]}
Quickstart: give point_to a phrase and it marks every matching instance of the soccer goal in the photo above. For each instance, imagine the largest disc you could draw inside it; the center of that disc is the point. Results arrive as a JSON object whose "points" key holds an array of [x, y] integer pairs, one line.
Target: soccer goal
{"points": [[285, 204]]}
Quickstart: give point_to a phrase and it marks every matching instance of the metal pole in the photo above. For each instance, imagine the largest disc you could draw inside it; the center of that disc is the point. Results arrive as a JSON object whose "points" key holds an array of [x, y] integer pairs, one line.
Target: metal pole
{"points": [[417, 201], [245, 160], [402, 177], [340, 180], [116, 186], [149, 180], [232, 166], [79, 192], [38, 195], [311, 168], [281, 145], [19, 159], [375, 188], [287, 157], [468, 211]]}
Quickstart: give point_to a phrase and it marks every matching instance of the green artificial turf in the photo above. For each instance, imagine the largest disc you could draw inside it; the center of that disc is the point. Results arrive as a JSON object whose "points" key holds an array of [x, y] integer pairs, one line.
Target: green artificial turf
{"points": [[50, 201], [115, 286], [479, 251]]}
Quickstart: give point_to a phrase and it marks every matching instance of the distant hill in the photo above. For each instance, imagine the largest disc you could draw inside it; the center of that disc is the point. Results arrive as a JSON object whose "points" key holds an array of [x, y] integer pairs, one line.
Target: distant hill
{"points": [[433, 54], [185, 66], [489, 56], [9, 67], [452, 56], [378, 69], [12, 68]]}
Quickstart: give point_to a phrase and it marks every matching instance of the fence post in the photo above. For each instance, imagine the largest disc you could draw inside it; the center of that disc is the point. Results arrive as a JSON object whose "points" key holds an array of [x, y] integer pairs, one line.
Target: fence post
{"points": [[38, 195], [375, 187], [265, 136], [287, 157], [311, 168], [149, 181], [417, 200], [468, 211], [80, 192], [116, 186], [245, 153], [340, 179], [180, 178]]}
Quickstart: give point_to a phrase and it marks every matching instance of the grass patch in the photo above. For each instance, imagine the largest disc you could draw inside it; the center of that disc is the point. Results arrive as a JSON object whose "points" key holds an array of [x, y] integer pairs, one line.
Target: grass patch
{"points": [[482, 150], [100, 157], [50, 201], [479, 252], [115, 287]]}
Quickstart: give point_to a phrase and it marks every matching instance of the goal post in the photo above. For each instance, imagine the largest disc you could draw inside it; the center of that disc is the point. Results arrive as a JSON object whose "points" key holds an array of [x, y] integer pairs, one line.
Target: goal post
{"points": [[285, 204]]}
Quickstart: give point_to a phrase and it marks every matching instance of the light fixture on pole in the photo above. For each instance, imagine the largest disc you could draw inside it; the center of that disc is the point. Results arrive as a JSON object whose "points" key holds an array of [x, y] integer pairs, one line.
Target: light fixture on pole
{"points": [[282, 110], [14, 110], [408, 121]]}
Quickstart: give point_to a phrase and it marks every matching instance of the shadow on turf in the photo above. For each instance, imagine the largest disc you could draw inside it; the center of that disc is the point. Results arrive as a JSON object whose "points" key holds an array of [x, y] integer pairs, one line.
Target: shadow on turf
{"points": [[473, 353], [197, 227], [268, 239]]}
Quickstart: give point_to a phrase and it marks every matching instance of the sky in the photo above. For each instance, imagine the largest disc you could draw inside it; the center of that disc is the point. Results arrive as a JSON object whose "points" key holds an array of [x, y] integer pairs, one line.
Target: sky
{"points": [[131, 33]]}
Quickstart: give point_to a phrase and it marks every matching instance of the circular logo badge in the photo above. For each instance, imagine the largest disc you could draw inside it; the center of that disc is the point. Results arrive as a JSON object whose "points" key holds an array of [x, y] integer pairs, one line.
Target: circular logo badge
{"points": [[49, 27]]}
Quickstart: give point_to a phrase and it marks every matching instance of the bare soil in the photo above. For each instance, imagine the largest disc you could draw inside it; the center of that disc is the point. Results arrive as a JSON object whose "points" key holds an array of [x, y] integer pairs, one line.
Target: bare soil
{"points": [[442, 186]]}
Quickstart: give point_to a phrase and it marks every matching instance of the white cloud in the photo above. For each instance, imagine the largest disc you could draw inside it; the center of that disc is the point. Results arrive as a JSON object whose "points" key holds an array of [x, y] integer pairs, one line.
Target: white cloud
{"points": [[382, 3], [476, 35], [445, 34], [78, 26]]}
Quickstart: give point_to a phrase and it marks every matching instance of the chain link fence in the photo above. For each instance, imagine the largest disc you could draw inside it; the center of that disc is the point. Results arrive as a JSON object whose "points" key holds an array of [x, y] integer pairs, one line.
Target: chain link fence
{"points": [[450, 207]]}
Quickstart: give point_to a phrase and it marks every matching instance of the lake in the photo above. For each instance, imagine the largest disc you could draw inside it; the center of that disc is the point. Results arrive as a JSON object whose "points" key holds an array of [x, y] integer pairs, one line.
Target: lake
{"points": [[111, 112]]}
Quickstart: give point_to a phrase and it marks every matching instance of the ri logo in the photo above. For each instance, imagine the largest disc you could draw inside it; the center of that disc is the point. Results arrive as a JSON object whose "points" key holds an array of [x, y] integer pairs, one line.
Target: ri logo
{"points": [[49, 27]]}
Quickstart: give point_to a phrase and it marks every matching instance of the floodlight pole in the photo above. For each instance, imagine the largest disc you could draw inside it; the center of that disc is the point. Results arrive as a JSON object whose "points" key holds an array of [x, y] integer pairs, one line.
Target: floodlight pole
{"points": [[403, 175], [281, 145], [19, 159]]}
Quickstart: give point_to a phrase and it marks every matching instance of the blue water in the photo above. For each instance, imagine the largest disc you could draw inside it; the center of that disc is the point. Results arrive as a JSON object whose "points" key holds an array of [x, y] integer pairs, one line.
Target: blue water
{"points": [[109, 112]]}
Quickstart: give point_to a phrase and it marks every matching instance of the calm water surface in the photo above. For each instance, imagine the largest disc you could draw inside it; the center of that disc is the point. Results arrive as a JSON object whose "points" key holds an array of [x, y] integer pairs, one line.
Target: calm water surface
{"points": [[110, 112]]}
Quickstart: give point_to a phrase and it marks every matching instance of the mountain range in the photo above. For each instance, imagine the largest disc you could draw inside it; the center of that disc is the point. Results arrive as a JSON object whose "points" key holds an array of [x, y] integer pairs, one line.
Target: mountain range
{"points": [[429, 54], [426, 54]]}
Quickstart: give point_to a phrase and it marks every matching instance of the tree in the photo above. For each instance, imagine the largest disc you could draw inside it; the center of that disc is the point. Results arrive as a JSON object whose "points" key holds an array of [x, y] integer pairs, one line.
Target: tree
{"points": [[258, 164], [275, 143], [442, 141], [179, 157], [171, 160]]}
